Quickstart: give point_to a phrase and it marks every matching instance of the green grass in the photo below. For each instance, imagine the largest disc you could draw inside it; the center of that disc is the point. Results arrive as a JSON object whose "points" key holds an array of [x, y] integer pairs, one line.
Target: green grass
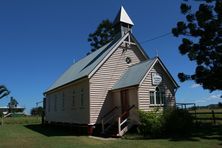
{"points": [[22, 120], [35, 136]]}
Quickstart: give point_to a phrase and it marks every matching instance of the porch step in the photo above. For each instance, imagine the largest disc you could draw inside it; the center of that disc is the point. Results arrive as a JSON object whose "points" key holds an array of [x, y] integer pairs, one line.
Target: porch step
{"points": [[112, 130]]}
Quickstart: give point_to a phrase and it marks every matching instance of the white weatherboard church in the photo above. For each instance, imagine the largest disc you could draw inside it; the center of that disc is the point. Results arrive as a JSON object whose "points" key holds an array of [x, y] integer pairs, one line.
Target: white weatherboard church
{"points": [[106, 88]]}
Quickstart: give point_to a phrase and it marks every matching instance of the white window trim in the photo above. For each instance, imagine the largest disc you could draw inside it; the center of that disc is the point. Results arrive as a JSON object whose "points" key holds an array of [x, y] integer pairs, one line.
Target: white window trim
{"points": [[154, 97]]}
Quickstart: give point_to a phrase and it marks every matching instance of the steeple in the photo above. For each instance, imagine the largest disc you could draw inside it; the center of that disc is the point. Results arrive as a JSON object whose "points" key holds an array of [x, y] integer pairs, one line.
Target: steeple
{"points": [[122, 22]]}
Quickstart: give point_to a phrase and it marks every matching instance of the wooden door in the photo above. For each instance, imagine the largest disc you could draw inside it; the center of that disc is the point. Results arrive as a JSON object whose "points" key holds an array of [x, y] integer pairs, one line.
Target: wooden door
{"points": [[124, 100]]}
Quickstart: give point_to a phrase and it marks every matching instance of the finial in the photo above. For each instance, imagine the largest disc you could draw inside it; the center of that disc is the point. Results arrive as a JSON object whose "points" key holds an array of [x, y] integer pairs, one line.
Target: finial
{"points": [[157, 55]]}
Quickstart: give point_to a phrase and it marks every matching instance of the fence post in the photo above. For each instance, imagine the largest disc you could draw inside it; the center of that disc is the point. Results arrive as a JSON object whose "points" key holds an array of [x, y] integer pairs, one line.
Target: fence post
{"points": [[213, 115]]}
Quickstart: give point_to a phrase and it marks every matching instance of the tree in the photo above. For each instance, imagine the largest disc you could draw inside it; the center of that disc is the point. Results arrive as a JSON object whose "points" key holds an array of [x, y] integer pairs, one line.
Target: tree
{"points": [[13, 103], [3, 91], [220, 104], [202, 42], [103, 35], [37, 111]]}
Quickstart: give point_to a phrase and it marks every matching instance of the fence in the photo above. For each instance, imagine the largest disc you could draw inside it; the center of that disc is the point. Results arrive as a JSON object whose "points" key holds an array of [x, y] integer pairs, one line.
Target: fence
{"points": [[207, 116], [202, 114]]}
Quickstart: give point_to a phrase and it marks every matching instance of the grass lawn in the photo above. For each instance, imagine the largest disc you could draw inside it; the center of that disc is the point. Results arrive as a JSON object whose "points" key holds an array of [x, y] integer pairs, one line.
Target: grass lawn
{"points": [[22, 120], [35, 135]]}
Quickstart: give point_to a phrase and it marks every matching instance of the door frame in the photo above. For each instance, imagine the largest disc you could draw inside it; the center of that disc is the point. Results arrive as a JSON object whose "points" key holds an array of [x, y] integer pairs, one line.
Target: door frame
{"points": [[124, 96]]}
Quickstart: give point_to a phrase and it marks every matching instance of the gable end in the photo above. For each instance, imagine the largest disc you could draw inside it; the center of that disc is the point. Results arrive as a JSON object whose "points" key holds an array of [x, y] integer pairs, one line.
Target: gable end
{"points": [[164, 68]]}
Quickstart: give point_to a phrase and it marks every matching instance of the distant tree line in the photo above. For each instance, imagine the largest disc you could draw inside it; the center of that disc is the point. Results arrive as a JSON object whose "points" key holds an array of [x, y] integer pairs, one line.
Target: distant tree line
{"points": [[37, 111]]}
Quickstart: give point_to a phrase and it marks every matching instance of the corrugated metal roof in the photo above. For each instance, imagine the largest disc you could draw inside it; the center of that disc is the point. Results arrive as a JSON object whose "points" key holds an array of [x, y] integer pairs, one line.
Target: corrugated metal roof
{"points": [[123, 17], [134, 75], [83, 67]]}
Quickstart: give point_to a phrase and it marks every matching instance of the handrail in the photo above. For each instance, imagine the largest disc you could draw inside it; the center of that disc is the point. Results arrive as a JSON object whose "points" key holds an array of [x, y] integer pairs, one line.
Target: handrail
{"points": [[104, 122], [109, 112], [123, 114], [123, 121]]}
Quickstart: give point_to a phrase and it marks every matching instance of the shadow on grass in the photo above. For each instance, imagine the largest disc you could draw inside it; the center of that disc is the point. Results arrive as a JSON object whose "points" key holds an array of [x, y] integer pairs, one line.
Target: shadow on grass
{"points": [[202, 131], [49, 130], [208, 132]]}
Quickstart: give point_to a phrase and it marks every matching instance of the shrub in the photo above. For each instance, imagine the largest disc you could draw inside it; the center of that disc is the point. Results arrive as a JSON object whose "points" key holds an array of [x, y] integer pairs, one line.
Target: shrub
{"points": [[151, 123], [170, 122], [177, 122]]}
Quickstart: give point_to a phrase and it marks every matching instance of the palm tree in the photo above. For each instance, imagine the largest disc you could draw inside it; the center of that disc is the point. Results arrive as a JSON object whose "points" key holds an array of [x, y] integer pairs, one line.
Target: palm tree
{"points": [[3, 91]]}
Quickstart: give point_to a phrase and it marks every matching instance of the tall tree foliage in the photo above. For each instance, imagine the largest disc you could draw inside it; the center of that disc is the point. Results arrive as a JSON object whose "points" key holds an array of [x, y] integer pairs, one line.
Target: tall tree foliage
{"points": [[202, 42], [3, 91], [103, 35]]}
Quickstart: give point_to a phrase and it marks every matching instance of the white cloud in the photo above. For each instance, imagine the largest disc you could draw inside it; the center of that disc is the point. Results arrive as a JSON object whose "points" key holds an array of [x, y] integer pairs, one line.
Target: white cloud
{"points": [[215, 97], [195, 85], [200, 101]]}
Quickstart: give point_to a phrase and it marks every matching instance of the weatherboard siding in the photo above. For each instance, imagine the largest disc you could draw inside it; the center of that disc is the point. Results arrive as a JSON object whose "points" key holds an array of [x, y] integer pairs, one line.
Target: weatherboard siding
{"points": [[166, 85], [66, 110], [104, 79]]}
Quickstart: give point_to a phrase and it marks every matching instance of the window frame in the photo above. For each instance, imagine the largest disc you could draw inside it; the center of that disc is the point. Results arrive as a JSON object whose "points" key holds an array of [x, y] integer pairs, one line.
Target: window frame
{"points": [[49, 103], [162, 97], [82, 99]]}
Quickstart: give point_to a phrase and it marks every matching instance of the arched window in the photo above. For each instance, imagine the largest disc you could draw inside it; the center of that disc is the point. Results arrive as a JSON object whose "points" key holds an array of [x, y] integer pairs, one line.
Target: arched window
{"points": [[157, 97]]}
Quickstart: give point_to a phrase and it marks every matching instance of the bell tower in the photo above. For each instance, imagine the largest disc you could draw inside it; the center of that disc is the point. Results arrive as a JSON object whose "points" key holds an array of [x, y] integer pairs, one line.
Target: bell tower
{"points": [[122, 22]]}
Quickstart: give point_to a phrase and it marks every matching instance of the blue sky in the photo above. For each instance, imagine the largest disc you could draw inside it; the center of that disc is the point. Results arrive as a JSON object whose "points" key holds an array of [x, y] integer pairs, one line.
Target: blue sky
{"points": [[40, 39]]}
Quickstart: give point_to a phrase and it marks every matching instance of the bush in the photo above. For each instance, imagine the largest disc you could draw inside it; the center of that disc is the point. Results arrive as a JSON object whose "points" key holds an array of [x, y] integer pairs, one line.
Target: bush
{"points": [[151, 123], [177, 122], [170, 122]]}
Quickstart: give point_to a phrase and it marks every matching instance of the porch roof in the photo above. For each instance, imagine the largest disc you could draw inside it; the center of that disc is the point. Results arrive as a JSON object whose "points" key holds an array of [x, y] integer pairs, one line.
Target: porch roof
{"points": [[134, 75]]}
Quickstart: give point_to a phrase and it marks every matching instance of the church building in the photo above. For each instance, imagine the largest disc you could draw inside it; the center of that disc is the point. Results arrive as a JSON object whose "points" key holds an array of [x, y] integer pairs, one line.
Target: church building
{"points": [[105, 89]]}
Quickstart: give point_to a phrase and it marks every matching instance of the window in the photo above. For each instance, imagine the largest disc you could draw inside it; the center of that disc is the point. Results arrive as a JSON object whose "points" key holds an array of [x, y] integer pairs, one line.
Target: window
{"points": [[48, 104], [82, 98], [157, 97], [63, 101], [55, 103], [73, 98], [151, 97], [128, 60]]}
